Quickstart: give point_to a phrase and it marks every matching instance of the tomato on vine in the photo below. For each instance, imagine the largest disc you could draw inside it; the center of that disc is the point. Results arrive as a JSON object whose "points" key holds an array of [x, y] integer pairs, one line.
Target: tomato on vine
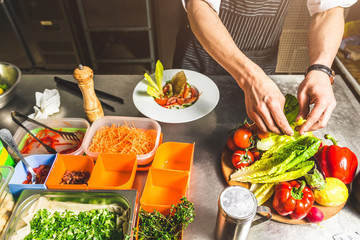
{"points": [[243, 137], [242, 158]]}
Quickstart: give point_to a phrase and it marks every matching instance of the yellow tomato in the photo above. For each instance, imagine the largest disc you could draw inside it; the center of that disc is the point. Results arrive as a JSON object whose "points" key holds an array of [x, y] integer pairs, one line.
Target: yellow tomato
{"points": [[334, 193], [1, 91]]}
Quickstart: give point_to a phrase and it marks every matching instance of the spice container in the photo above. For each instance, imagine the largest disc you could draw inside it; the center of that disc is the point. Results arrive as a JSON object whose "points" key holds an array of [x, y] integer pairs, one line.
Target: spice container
{"points": [[237, 208], [65, 124], [6, 198]]}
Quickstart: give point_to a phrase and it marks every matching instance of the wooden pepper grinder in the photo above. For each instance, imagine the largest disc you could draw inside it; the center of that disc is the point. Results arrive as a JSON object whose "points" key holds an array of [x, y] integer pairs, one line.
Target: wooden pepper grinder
{"points": [[84, 77]]}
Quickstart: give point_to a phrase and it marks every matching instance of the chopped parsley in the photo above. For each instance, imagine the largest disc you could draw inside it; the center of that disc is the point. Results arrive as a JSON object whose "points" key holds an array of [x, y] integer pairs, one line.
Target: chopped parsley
{"points": [[93, 224]]}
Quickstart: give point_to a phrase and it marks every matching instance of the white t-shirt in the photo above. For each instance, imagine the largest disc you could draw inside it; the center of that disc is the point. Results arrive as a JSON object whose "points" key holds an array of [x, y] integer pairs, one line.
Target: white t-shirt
{"points": [[314, 6]]}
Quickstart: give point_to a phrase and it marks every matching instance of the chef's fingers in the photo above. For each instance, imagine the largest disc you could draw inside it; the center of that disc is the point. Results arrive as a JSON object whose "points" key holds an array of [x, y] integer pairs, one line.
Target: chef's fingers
{"points": [[280, 119], [320, 123], [303, 106], [268, 120], [258, 122], [313, 117]]}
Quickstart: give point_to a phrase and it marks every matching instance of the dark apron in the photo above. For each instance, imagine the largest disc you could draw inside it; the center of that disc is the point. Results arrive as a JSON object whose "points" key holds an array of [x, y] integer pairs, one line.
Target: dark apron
{"points": [[255, 26]]}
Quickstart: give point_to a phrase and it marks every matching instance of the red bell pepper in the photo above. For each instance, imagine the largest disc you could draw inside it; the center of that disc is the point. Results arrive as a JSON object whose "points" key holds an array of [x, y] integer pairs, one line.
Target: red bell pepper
{"points": [[338, 162], [293, 198]]}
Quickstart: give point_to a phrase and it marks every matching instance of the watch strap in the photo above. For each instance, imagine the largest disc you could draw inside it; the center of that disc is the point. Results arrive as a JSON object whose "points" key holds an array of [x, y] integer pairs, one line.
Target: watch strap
{"points": [[323, 68]]}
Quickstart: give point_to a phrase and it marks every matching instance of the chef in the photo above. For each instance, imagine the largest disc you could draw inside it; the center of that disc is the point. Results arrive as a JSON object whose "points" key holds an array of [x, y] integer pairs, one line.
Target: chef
{"points": [[241, 37]]}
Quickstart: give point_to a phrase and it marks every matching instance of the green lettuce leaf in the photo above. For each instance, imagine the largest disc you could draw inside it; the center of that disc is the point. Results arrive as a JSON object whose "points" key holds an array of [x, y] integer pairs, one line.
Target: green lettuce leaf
{"points": [[291, 108]]}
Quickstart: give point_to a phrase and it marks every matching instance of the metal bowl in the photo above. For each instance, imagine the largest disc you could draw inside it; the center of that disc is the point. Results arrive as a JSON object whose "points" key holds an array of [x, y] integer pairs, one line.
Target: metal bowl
{"points": [[9, 75]]}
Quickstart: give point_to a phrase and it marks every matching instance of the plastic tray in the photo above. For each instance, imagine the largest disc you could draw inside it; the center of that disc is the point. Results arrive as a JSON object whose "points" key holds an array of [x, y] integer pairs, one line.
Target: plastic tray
{"points": [[113, 171], [66, 124], [138, 122], [163, 188], [7, 202], [71, 163], [16, 182]]}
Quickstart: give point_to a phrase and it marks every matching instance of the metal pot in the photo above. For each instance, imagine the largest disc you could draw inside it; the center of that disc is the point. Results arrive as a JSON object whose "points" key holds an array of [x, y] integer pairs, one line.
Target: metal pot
{"points": [[356, 192], [9, 75]]}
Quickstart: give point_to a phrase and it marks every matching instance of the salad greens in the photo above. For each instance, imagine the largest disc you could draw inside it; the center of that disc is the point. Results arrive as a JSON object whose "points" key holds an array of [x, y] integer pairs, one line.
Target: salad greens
{"points": [[284, 162], [157, 226], [154, 89], [93, 224]]}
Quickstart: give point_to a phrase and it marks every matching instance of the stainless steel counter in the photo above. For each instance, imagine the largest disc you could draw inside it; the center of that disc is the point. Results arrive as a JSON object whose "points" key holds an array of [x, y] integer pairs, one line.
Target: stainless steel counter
{"points": [[209, 134]]}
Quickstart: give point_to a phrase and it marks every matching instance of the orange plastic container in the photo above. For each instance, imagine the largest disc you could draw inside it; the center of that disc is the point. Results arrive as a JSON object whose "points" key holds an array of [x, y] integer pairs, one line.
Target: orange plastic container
{"points": [[113, 171], [174, 156], [71, 163], [163, 188]]}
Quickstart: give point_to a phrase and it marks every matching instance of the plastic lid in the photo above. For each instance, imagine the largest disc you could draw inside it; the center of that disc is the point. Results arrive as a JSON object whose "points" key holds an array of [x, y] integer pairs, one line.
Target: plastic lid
{"points": [[6, 173], [238, 202]]}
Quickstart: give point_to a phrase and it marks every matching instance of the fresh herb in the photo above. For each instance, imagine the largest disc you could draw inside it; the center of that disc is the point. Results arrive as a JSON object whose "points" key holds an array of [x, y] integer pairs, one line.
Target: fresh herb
{"points": [[158, 226], [93, 224], [4, 87]]}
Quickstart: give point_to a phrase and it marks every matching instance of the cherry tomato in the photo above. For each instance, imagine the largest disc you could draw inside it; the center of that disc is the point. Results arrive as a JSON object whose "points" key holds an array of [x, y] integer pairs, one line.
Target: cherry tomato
{"points": [[230, 144], [242, 137], [242, 158], [256, 153]]}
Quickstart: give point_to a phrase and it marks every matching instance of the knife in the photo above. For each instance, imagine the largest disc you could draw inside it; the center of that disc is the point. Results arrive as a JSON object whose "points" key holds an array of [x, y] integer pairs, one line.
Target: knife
{"points": [[77, 92], [97, 91]]}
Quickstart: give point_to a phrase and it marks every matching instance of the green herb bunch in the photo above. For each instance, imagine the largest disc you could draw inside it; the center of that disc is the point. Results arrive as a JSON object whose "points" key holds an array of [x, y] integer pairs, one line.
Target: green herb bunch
{"points": [[158, 226], [93, 224]]}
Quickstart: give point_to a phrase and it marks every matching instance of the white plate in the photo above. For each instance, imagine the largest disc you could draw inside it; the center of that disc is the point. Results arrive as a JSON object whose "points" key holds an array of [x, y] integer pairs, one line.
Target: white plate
{"points": [[206, 103]]}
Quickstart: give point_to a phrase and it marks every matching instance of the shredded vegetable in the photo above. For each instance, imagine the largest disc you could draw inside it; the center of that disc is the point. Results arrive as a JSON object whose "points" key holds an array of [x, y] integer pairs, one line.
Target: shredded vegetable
{"points": [[122, 139]]}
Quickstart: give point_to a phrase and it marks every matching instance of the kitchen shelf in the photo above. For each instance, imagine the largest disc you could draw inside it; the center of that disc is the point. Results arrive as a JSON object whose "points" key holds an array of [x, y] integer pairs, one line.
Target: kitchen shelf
{"points": [[121, 34]]}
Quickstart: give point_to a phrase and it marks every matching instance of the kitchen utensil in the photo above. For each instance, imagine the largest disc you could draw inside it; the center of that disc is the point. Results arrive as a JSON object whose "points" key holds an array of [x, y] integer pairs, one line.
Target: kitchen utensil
{"points": [[77, 92], [97, 91], [47, 147], [237, 208], [10, 75], [84, 77], [63, 134], [6, 136]]}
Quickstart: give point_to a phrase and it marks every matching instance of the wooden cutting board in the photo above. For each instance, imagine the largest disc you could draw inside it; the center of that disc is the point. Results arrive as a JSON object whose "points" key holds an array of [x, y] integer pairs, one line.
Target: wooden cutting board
{"points": [[228, 169]]}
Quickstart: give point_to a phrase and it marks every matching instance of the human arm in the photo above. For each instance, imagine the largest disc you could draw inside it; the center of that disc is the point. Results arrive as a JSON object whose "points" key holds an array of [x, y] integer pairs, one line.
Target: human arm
{"points": [[263, 99], [325, 34]]}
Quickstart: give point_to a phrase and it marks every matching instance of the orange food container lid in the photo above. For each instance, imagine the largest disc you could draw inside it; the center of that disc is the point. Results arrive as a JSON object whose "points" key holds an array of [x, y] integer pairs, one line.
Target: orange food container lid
{"points": [[70, 163], [113, 171]]}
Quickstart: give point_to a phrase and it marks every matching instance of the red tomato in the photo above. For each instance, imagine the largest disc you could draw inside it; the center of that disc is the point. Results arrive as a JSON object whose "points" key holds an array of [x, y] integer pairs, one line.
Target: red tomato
{"points": [[230, 144], [256, 130], [241, 158], [242, 137], [256, 153]]}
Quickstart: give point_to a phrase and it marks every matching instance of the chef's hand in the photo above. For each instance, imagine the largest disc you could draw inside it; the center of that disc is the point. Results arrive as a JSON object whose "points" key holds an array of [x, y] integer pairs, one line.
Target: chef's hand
{"points": [[265, 105], [315, 89]]}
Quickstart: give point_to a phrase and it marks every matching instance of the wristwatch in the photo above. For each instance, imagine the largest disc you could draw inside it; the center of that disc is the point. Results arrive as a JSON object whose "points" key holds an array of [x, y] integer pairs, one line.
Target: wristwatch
{"points": [[323, 68]]}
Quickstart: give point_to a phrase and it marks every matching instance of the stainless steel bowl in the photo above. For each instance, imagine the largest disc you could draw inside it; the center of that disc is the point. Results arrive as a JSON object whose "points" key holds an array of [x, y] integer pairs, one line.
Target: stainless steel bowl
{"points": [[9, 75]]}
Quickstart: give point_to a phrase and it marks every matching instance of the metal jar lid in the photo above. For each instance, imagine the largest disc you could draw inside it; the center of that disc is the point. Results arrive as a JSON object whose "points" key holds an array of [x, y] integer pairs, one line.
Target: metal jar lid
{"points": [[238, 203]]}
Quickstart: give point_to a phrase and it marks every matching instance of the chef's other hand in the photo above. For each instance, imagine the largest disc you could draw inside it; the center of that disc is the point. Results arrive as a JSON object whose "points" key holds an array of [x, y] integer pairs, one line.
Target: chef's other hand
{"points": [[265, 105], [315, 89]]}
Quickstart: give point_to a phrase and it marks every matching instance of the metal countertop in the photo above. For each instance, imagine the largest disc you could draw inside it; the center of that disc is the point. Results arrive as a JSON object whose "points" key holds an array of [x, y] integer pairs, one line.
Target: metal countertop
{"points": [[209, 134]]}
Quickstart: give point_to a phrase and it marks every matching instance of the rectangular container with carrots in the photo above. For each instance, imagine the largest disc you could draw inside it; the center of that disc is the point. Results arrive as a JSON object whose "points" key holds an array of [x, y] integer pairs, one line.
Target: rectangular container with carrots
{"points": [[116, 134]]}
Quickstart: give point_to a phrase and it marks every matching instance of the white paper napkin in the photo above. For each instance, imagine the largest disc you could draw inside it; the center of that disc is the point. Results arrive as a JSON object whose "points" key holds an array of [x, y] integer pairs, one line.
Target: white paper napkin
{"points": [[47, 103]]}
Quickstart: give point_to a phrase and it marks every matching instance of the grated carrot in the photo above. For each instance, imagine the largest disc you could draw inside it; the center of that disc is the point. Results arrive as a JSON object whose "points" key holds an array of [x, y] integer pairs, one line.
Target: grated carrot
{"points": [[122, 139]]}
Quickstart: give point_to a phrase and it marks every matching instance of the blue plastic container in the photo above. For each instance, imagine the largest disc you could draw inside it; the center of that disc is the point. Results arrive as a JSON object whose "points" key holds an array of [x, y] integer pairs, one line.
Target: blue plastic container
{"points": [[16, 182]]}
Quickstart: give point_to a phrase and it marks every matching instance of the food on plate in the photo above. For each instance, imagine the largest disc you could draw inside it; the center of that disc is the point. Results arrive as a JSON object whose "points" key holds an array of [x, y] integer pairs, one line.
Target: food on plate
{"points": [[157, 226], [177, 92], [41, 174], [50, 219], [6, 206], [122, 139], [242, 158], [315, 215], [75, 177], [54, 140], [262, 192], [293, 198], [315, 179], [335, 193], [3, 88], [336, 161]]}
